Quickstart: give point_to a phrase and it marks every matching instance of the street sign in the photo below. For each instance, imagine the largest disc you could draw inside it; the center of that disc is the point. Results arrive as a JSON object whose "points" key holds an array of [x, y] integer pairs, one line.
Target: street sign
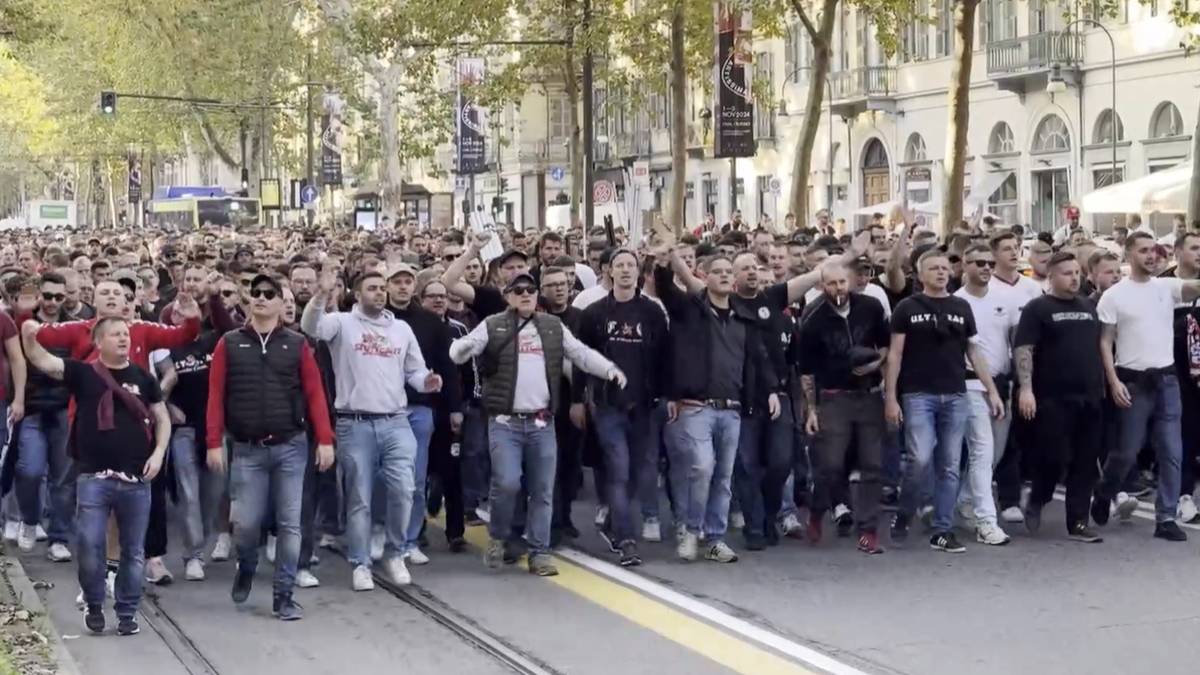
{"points": [[641, 174], [776, 185], [308, 197], [557, 173], [603, 192]]}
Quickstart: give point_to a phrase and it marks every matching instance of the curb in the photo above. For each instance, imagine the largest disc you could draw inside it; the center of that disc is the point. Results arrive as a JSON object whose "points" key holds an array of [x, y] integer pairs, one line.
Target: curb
{"points": [[27, 595]]}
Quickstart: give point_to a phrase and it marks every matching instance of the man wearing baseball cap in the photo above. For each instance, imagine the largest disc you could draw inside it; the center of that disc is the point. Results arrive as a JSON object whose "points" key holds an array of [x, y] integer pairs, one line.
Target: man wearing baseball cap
{"points": [[485, 300], [522, 360]]}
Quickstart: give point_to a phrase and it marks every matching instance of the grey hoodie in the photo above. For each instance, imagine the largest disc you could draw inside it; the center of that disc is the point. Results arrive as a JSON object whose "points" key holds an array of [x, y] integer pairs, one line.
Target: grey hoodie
{"points": [[372, 358]]}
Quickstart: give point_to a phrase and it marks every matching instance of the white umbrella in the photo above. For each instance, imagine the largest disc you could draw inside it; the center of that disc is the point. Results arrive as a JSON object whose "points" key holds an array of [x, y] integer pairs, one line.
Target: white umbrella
{"points": [[1160, 192]]}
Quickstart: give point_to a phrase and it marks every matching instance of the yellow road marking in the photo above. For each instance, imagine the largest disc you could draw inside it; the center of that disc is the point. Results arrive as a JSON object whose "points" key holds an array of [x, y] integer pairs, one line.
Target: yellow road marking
{"points": [[672, 624]]}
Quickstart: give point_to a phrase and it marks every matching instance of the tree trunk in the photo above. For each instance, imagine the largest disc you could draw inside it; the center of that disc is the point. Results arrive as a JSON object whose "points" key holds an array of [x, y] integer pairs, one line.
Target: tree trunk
{"points": [[576, 148], [822, 56], [391, 181], [1193, 207], [959, 101], [675, 212]]}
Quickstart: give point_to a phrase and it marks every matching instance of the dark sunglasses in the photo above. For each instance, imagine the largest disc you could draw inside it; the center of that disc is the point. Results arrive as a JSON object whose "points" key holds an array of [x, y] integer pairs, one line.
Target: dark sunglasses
{"points": [[267, 293], [450, 257], [228, 294], [524, 290], [129, 297], [245, 282], [982, 263], [56, 297], [954, 260]]}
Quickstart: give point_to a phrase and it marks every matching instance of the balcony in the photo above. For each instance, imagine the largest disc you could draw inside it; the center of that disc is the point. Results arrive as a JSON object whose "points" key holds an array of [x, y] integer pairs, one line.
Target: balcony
{"points": [[1022, 64], [542, 153], [632, 145], [861, 89]]}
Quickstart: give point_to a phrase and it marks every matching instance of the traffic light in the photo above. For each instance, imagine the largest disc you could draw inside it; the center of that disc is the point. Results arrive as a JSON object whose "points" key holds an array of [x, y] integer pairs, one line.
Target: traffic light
{"points": [[108, 103]]}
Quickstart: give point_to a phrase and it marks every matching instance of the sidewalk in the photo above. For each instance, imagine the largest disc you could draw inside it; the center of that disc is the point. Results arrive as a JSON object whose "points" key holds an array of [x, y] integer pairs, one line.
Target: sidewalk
{"points": [[31, 644]]}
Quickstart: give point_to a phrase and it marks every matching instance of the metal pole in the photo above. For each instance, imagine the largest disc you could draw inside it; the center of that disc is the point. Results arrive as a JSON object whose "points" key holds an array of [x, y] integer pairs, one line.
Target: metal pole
{"points": [[308, 127], [733, 178], [589, 132], [829, 183], [1112, 45]]}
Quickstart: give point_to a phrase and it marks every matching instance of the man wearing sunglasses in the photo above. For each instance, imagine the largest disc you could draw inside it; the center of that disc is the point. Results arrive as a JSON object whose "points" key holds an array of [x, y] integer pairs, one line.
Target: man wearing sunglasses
{"points": [[264, 388], [523, 354], [986, 435]]}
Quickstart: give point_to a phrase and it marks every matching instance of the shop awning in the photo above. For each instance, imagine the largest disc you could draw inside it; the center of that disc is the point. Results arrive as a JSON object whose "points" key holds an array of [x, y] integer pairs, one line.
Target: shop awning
{"points": [[1160, 192]]}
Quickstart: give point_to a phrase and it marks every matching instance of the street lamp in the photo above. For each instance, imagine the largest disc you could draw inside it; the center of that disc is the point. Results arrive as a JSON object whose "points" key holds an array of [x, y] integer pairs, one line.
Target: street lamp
{"points": [[1056, 84], [783, 112]]}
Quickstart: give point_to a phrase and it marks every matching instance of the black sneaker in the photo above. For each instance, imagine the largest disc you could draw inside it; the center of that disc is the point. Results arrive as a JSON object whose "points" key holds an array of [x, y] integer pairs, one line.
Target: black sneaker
{"points": [[900, 528], [771, 536], [1033, 518], [569, 530], [946, 542], [457, 544], [1169, 531], [845, 524], [127, 625], [629, 554], [1081, 532], [242, 581], [889, 500], [286, 609], [1100, 510], [94, 619], [609, 539], [755, 542], [512, 552]]}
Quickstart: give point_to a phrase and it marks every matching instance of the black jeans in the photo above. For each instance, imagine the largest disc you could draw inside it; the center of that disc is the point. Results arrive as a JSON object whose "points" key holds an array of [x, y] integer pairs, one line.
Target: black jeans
{"points": [[847, 417], [764, 459], [156, 531], [1189, 397], [448, 471], [1067, 436]]}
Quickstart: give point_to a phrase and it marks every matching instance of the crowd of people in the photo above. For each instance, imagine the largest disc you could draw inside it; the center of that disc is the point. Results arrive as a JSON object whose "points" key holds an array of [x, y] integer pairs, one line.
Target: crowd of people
{"points": [[279, 391]]}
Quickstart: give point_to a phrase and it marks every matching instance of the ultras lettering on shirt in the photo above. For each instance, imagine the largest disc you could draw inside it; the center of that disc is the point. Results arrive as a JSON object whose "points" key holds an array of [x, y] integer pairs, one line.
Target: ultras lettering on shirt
{"points": [[933, 318], [372, 344], [1071, 316]]}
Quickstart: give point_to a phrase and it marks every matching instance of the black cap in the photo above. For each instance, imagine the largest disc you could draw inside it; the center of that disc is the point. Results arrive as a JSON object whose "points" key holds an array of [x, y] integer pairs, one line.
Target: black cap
{"points": [[127, 283], [517, 280], [511, 253], [267, 278]]}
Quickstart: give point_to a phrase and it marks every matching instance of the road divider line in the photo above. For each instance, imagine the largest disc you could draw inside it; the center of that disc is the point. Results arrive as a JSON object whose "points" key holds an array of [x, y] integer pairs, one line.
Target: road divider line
{"points": [[658, 616]]}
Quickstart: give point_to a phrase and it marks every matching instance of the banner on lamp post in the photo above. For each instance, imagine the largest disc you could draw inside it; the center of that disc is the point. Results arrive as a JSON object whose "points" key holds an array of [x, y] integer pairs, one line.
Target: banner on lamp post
{"points": [[331, 150], [733, 104], [135, 179], [469, 119]]}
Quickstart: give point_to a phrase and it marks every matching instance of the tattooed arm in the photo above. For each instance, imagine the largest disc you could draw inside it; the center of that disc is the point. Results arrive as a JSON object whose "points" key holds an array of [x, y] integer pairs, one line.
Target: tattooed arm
{"points": [[1026, 403], [808, 386]]}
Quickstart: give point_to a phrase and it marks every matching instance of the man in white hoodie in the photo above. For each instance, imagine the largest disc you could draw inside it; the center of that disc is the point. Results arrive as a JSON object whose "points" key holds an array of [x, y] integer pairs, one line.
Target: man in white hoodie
{"points": [[374, 355]]}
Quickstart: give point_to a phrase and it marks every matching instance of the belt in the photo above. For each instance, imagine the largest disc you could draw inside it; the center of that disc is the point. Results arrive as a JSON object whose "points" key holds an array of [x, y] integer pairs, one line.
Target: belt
{"points": [[873, 390], [715, 403], [265, 441], [528, 415], [365, 416]]}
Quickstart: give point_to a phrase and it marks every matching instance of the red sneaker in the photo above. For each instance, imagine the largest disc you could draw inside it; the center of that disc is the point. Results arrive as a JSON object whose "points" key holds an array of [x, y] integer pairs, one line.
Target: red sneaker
{"points": [[868, 543], [814, 528]]}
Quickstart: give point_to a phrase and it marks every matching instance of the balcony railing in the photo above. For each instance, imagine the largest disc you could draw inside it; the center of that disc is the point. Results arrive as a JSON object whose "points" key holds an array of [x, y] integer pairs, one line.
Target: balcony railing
{"points": [[1032, 53], [863, 82]]}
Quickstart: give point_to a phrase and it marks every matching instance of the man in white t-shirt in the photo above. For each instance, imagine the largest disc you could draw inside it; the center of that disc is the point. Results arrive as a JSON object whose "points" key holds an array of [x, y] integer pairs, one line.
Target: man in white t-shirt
{"points": [[986, 435], [1137, 317], [1013, 290]]}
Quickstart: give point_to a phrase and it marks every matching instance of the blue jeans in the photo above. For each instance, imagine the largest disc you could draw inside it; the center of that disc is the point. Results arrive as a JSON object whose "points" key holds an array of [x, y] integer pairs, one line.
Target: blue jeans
{"points": [[710, 437], [258, 475], [197, 494], [382, 449], [129, 503], [626, 439], [764, 460], [1156, 411], [476, 464], [420, 418], [648, 476], [43, 446], [934, 426], [522, 448]]}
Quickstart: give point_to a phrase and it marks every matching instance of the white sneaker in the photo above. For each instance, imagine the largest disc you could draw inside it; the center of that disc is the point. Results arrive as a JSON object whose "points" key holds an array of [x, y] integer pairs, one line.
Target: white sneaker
{"points": [[791, 526], [222, 548], [651, 530], [688, 545], [841, 511], [601, 516], [306, 579], [966, 514], [1013, 514], [991, 534], [27, 538], [327, 541], [110, 584], [416, 556], [79, 601], [361, 579], [680, 532], [854, 477], [270, 548], [157, 572], [194, 570], [720, 552], [737, 520], [12, 530], [484, 513], [1126, 505], [378, 539], [397, 572], [40, 533], [1187, 512], [58, 552]]}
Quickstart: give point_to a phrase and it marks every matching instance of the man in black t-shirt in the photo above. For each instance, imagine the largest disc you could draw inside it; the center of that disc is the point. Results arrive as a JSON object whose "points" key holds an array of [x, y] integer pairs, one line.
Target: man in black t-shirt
{"points": [[121, 432], [1061, 379], [926, 391]]}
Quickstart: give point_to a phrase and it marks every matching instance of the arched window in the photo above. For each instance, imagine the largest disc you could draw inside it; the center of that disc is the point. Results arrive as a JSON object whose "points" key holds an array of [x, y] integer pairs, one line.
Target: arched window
{"points": [[1001, 140], [1052, 135], [1103, 133], [1166, 122], [875, 156], [914, 150]]}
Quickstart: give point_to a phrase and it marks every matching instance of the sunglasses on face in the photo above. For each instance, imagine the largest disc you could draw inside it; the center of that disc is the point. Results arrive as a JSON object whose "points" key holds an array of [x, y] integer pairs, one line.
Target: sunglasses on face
{"points": [[245, 282], [982, 263], [524, 290], [450, 257], [266, 293], [228, 293], [55, 297]]}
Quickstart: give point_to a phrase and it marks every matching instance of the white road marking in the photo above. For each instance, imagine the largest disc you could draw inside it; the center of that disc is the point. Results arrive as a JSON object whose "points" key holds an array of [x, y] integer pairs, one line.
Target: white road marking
{"points": [[731, 623], [1145, 511]]}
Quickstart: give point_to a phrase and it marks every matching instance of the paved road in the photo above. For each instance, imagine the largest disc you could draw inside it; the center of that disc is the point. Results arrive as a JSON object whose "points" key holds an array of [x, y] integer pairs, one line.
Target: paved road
{"points": [[1043, 605]]}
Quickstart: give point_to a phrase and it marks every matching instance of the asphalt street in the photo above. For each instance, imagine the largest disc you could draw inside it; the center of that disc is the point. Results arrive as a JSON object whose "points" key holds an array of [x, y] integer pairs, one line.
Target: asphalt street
{"points": [[1041, 604]]}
